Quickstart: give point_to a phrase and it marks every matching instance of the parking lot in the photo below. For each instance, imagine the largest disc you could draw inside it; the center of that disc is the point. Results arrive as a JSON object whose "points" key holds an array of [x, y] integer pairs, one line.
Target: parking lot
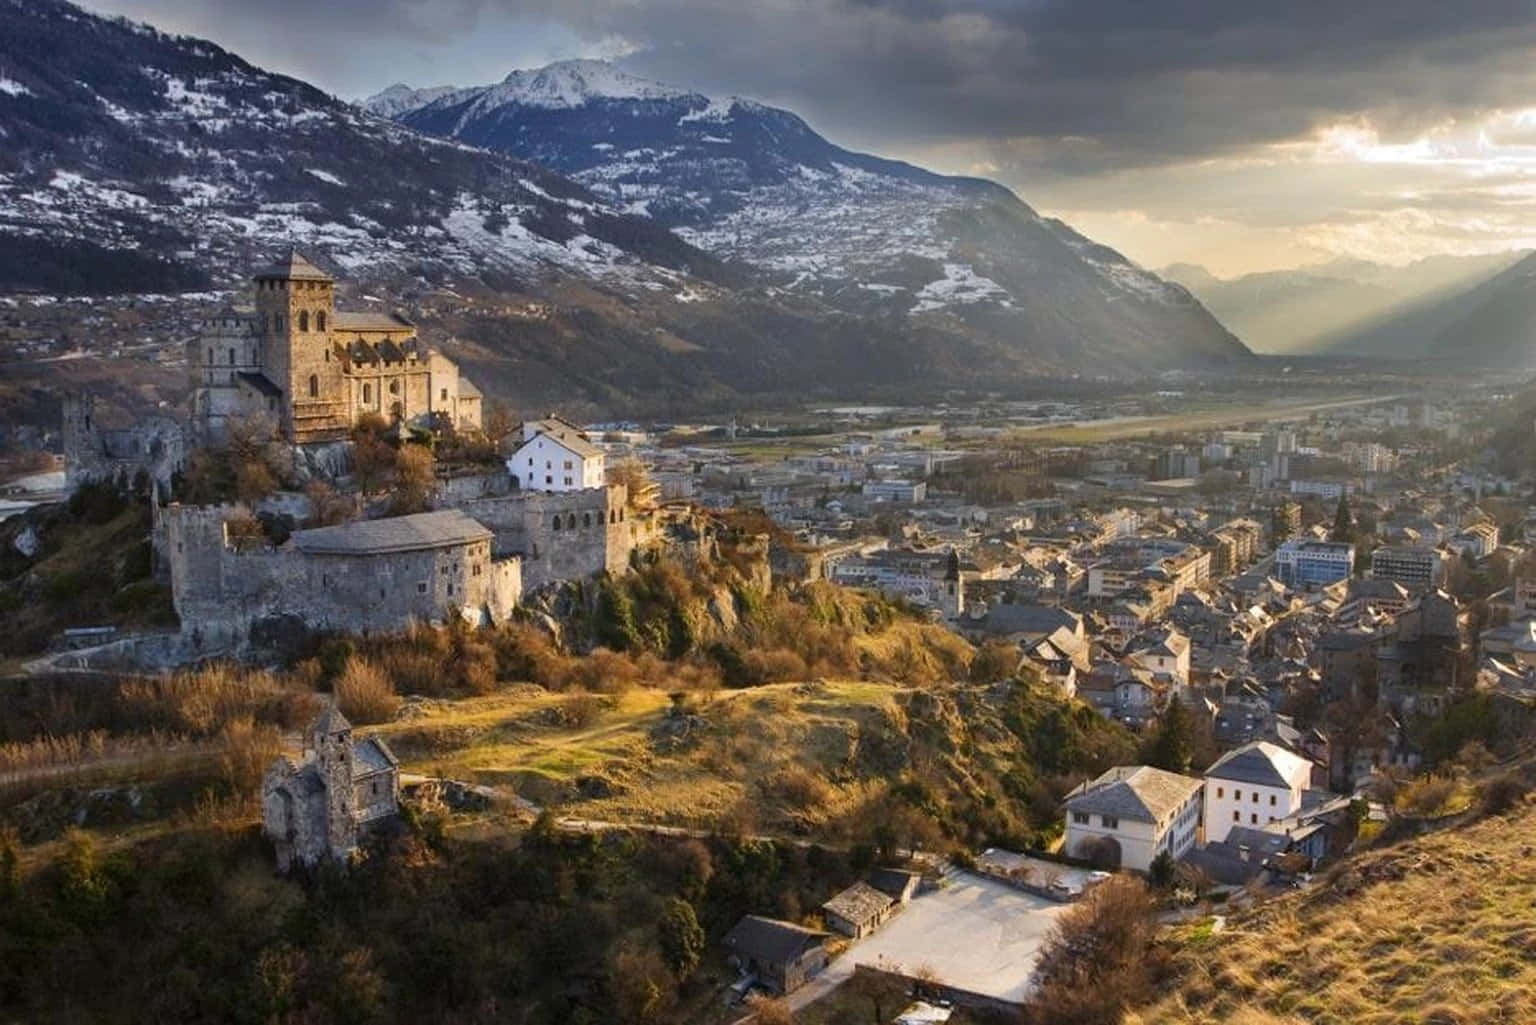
{"points": [[974, 933]]}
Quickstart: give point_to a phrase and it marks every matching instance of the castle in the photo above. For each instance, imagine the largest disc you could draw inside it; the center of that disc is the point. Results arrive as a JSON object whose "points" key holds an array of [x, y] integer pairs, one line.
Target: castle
{"points": [[317, 370], [314, 810]]}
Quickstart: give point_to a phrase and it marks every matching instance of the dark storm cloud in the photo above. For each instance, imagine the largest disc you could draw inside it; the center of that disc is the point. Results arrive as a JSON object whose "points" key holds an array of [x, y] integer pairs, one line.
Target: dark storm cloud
{"points": [[1105, 83]]}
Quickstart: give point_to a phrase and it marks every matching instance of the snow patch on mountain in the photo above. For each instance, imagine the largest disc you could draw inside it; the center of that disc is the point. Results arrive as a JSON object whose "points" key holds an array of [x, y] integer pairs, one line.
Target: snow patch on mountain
{"points": [[960, 284], [11, 87]]}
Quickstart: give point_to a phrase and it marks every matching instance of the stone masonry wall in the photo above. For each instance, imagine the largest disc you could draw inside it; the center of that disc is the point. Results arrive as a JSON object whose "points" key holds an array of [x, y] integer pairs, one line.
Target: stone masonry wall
{"points": [[568, 535]]}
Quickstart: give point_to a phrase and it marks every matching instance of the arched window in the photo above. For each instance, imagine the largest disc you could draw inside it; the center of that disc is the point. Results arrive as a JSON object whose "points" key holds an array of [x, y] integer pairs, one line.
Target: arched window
{"points": [[394, 387], [557, 521], [367, 393], [231, 356], [586, 519], [570, 521], [303, 320], [320, 321], [314, 386], [210, 355], [613, 516]]}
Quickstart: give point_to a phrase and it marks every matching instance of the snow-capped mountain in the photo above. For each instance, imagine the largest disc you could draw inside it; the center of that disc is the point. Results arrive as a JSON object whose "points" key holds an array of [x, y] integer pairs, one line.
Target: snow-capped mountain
{"points": [[756, 184], [167, 161]]}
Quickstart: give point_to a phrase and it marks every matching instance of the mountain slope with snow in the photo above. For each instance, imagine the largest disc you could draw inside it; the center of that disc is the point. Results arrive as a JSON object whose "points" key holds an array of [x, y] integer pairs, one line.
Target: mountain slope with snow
{"points": [[870, 236]]}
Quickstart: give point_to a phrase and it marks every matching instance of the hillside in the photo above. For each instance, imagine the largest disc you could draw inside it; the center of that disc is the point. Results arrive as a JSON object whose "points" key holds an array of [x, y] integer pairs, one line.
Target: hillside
{"points": [[1333, 307], [866, 235], [1437, 929]]}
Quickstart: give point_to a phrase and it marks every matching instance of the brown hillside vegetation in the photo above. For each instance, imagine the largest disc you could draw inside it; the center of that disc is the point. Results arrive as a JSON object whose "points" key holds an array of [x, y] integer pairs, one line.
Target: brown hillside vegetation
{"points": [[1439, 930]]}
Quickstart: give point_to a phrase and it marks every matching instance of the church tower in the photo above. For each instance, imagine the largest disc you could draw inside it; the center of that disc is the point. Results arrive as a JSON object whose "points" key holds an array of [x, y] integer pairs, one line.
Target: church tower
{"points": [[954, 588], [331, 737], [295, 311]]}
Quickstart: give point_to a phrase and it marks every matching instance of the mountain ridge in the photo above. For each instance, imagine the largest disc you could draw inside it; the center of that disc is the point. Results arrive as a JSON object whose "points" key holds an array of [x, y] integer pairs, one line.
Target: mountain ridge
{"points": [[756, 184]]}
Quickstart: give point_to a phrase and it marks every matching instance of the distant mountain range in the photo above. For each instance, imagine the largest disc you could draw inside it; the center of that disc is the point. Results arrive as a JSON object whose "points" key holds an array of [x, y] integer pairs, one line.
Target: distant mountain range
{"points": [[869, 236], [677, 246], [1348, 306]]}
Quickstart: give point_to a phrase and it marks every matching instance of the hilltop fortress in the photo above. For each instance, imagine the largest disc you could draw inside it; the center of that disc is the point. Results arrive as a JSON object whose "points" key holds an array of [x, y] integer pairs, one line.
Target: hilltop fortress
{"points": [[315, 369], [546, 516]]}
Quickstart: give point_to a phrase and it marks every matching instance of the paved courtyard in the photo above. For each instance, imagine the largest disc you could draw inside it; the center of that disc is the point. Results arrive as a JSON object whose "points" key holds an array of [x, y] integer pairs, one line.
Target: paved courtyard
{"points": [[975, 934]]}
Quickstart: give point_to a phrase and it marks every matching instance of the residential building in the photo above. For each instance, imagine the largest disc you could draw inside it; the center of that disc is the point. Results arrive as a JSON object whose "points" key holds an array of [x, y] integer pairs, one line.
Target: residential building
{"points": [[1255, 785], [909, 492], [556, 456], [782, 956], [1416, 567], [1132, 813], [858, 911], [1313, 564]]}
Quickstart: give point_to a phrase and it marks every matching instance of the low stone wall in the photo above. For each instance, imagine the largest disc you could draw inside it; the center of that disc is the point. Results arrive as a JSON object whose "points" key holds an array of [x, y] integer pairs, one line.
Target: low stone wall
{"points": [[1005, 1010]]}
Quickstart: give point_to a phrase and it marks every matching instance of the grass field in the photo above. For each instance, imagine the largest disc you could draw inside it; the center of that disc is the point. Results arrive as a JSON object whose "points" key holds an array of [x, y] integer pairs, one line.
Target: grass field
{"points": [[627, 758], [1440, 930]]}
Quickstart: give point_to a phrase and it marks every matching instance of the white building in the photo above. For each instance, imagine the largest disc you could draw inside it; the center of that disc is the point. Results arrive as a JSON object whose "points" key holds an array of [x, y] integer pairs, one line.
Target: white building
{"points": [[1134, 810], [556, 456], [1254, 785]]}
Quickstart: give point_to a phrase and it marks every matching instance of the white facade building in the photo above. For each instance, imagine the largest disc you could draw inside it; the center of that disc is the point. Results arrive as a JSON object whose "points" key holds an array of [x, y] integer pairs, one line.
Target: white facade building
{"points": [[1254, 785], [1136, 810], [556, 456]]}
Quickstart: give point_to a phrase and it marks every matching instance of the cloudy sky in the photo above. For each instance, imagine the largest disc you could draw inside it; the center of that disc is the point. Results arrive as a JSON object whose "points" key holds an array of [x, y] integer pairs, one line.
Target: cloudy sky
{"points": [[1239, 134]]}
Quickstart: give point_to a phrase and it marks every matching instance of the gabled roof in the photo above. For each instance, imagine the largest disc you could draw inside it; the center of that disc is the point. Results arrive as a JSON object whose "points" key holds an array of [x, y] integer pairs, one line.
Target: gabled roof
{"points": [[1139, 793], [892, 882], [768, 939], [1043, 620], [859, 904], [440, 529], [1261, 764], [292, 267], [372, 755], [567, 438]]}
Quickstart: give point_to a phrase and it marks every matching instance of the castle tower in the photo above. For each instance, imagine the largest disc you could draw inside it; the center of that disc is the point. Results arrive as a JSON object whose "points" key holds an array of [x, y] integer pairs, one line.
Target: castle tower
{"points": [[331, 737], [295, 310], [82, 445]]}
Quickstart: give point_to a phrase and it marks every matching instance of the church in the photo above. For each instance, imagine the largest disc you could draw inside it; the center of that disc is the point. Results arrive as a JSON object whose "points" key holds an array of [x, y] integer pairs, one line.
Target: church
{"points": [[317, 370]]}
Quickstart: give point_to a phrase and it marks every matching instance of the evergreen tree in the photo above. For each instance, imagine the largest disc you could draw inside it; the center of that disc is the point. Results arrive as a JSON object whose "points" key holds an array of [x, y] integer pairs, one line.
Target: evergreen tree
{"points": [[1173, 744], [682, 938], [1343, 522]]}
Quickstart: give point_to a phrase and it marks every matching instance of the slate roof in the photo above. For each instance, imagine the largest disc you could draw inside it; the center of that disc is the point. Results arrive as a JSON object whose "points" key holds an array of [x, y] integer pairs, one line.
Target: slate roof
{"points": [[294, 266], [1028, 619], [467, 389], [330, 721], [371, 756], [859, 904], [260, 383], [440, 529], [1260, 763], [892, 882], [365, 321], [1136, 792], [768, 939], [568, 438]]}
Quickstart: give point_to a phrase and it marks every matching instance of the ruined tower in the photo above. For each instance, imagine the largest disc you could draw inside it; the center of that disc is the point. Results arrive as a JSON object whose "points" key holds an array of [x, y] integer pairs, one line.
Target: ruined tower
{"points": [[295, 310]]}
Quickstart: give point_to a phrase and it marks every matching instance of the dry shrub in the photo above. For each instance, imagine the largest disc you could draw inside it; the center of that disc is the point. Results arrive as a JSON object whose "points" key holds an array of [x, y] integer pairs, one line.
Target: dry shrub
{"points": [[581, 710], [796, 787], [1096, 961], [201, 701], [777, 665], [364, 693], [249, 747], [603, 671], [1426, 797], [771, 1011]]}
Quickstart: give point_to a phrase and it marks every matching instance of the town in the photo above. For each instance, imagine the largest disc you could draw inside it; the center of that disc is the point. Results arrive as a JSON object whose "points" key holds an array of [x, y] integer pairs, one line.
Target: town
{"points": [[1289, 614]]}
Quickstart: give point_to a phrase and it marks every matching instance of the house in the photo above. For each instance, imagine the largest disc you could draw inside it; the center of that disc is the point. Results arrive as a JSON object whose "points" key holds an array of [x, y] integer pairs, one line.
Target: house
{"points": [[782, 956], [858, 910], [1255, 785], [556, 456], [899, 884], [1130, 815]]}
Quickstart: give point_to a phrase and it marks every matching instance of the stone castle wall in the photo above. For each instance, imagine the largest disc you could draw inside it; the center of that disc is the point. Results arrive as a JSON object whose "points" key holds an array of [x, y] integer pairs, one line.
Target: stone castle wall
{"points": [[155, 445], [567, 535], [224, 593]]}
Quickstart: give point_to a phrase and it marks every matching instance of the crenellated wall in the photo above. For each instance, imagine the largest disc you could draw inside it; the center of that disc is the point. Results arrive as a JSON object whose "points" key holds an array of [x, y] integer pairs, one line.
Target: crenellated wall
{"points": [[224, 590]]}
